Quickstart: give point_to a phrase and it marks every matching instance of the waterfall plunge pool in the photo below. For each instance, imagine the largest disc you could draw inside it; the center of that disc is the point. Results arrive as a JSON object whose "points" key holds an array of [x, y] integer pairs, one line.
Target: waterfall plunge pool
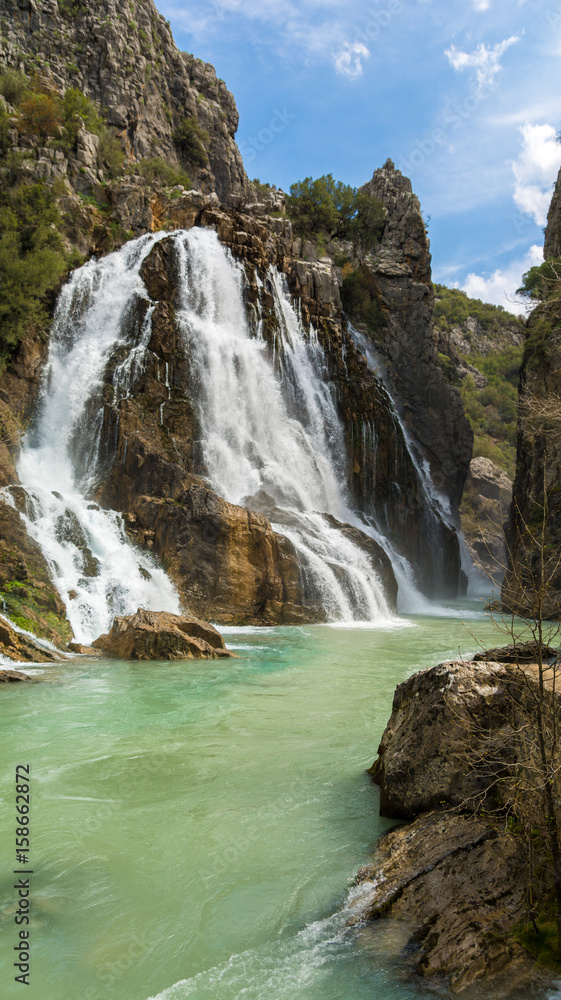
{"points": [[195, 825]]}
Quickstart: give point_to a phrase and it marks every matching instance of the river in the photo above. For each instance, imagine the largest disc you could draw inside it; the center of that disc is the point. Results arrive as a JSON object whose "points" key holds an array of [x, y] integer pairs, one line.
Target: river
{"points": [[195, 825]]}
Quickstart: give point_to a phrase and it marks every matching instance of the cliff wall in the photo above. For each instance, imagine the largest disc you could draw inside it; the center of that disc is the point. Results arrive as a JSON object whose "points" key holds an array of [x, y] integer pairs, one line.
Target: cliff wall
{"points": [[122, 55], [533, 581]]}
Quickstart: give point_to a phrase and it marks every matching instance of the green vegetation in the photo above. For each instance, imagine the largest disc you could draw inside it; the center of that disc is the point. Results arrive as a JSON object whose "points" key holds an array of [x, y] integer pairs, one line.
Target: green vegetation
{"points": [[326, 209], [78, 109], [5, 126], [542, 282], [540, 940], [111, 155], [156, 170], [359, 296], [71, 8], [262, 187], [491, 411], [454, 307], [13, 85], [32, 259], [40, 115], [192, 140]]}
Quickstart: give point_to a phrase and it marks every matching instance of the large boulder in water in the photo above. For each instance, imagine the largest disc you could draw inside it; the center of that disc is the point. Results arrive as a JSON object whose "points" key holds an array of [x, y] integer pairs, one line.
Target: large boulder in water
{"points": [[159, 635]]}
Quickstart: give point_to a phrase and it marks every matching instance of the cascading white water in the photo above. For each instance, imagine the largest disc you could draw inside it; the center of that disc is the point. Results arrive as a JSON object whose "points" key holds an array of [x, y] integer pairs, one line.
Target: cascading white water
{"points": [[271, 435], [96, 570]]}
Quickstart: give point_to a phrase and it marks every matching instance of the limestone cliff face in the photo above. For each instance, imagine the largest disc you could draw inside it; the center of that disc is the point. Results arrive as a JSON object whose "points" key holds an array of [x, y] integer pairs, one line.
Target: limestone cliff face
{"points": [[122, 55], [431, 408], [484, 511], [537, 485]]}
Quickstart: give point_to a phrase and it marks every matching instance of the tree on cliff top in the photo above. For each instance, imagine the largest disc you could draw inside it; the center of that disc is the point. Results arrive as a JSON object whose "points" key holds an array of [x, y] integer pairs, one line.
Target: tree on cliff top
{"points": [[329, 209]]}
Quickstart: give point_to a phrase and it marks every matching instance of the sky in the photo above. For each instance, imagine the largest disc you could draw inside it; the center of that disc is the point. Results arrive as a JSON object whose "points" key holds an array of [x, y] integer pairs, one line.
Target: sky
{"points": [[463, 96]]}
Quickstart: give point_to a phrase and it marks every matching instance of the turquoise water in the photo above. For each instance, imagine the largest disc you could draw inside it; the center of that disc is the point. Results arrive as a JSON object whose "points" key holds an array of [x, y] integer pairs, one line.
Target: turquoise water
{"points": [[195, 825]]}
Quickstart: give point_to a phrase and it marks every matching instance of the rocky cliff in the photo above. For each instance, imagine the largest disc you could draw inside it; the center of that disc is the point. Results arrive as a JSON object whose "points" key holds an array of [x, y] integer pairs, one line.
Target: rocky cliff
{"points": [[121, 54], [533, 581]]}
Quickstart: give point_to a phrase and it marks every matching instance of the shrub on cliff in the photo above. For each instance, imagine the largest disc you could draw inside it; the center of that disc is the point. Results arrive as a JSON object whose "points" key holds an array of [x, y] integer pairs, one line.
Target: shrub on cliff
{"points": [[5, 126], [40, 115], [13, 86], [359, 296], [155, 170], [191, 139], [32, 259], [110, 153], [78, 109]]}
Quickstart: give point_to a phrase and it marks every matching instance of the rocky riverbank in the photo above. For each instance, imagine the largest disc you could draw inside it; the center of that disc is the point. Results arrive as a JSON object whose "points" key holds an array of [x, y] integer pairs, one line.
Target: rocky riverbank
{"points": [[457, 875]]}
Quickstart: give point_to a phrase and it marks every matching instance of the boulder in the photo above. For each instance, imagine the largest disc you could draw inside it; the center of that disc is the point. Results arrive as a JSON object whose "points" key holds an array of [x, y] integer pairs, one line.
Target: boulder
{"points": [[159, 635], [8, 676], [78, 647], [490, 481], [420, 763]]}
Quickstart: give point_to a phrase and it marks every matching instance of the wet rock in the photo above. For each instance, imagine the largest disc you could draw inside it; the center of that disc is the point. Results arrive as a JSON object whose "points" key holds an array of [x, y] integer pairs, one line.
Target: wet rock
{"points": [[27, 593], [78, 647], [159, 635], [8, 676], [458, 883], [69, 529], [23, 648], [90, 564], [400, 266], [381, 564]]}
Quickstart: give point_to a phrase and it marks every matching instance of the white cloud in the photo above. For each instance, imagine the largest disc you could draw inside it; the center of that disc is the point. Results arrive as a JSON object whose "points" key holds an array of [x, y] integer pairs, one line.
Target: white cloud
{"points": [[348, 59], [485, 61], [535, 170], [499, 288], [482, 4]]}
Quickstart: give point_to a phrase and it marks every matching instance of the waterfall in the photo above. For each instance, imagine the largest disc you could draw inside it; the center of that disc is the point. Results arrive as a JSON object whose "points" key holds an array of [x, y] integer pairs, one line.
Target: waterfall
{"points": [[96, 570], [271, 436]]}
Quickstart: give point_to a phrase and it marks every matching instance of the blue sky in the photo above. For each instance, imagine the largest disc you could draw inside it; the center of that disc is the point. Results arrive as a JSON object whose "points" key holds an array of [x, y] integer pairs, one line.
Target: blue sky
{"points": [[463, 95]]}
